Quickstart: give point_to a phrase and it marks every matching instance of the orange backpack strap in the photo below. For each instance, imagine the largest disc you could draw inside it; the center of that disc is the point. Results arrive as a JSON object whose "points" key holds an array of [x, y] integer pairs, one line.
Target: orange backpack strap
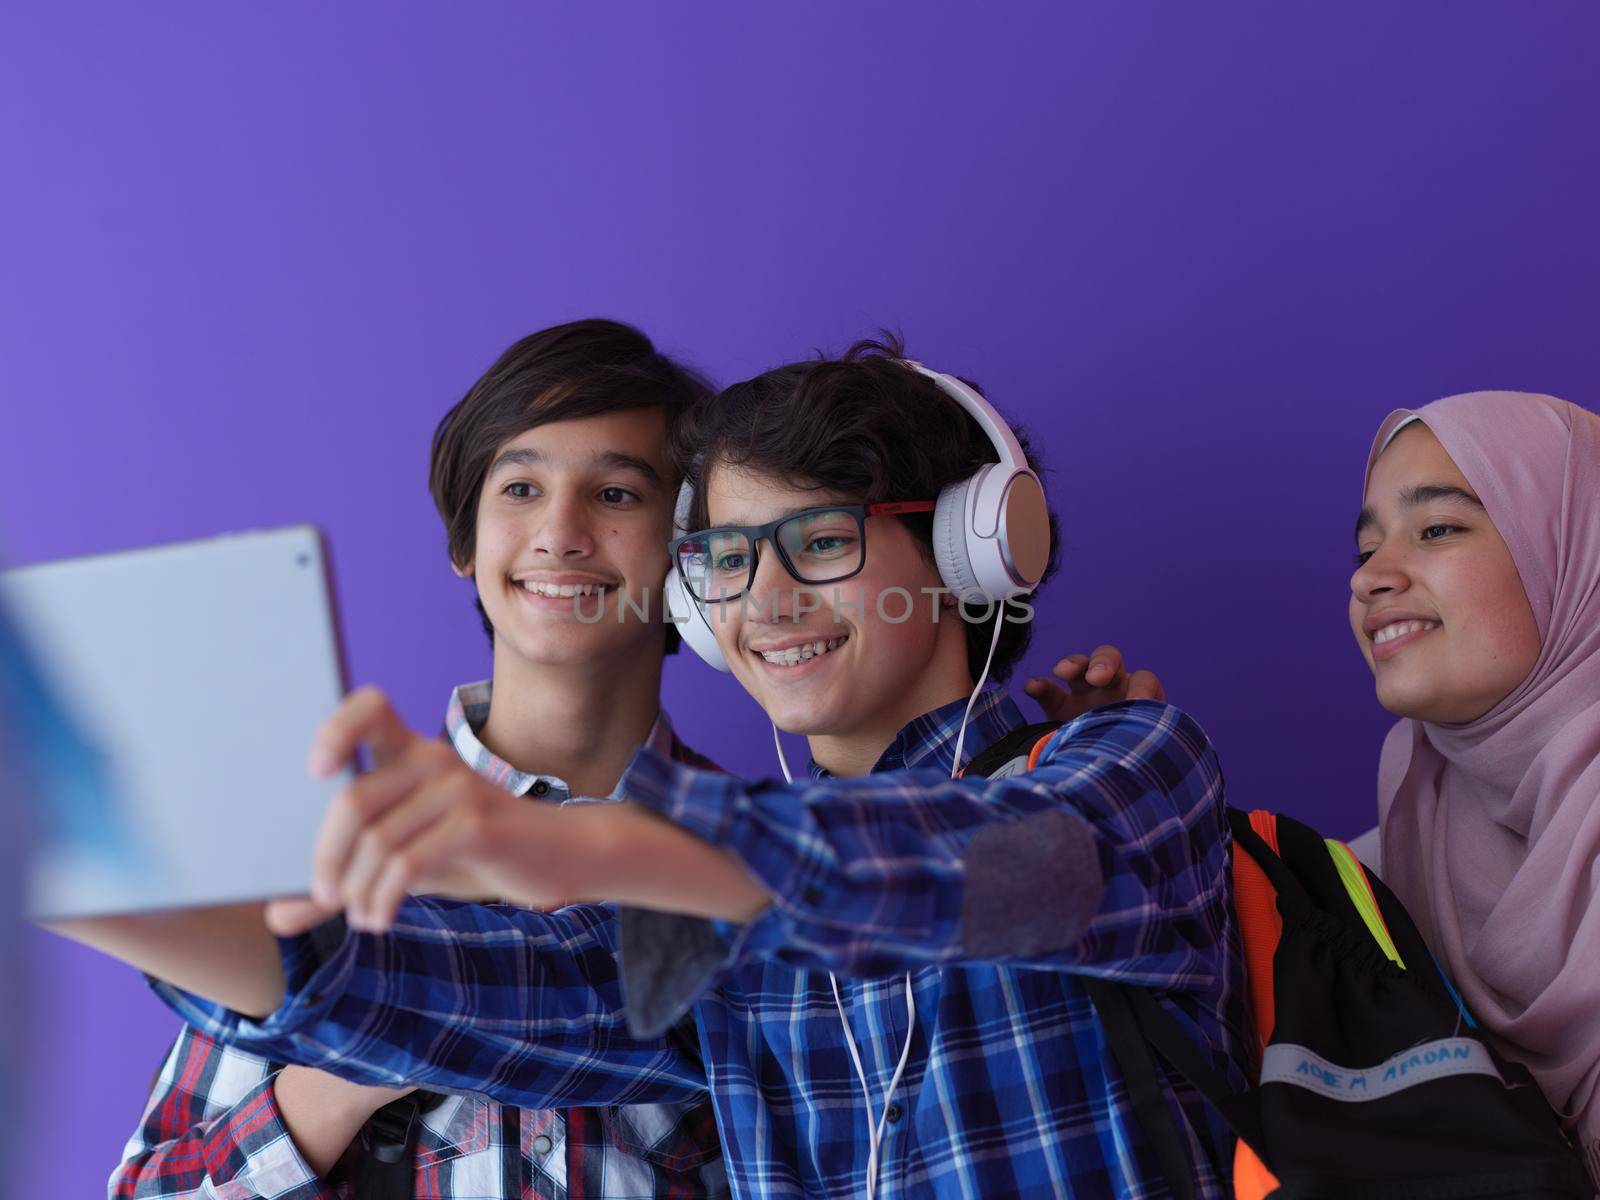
{"points": [[1251, 1179], [1038, 749], [1255, 901]]}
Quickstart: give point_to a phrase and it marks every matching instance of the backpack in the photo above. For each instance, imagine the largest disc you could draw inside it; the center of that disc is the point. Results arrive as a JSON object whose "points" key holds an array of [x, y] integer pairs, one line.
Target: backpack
{"points": [[1370, 1080], [385, 1165]]}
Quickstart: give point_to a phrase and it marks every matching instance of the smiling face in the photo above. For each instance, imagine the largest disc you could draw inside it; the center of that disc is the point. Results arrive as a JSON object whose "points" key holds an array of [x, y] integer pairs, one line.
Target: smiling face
{"points": [[572, 522], [835, 661], [1436, 604]]}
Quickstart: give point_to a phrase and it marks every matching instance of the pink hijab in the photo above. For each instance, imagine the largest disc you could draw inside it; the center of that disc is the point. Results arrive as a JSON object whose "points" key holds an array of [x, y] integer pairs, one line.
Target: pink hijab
{"points": [[1491, 830]]}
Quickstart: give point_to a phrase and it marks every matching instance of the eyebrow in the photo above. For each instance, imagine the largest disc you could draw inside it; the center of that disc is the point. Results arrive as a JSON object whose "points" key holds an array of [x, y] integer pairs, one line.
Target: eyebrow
{"points": [[609, 459], [1416, 497], [750, 524], [627, 462]]}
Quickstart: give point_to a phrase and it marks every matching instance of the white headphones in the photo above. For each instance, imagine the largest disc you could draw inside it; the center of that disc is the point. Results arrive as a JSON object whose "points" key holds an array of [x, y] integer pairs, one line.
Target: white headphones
{"points": [[991, 530]]}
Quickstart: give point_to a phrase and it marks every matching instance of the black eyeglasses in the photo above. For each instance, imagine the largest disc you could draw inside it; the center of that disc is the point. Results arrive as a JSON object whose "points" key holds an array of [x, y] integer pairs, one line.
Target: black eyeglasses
{"points": [[815, 545]]}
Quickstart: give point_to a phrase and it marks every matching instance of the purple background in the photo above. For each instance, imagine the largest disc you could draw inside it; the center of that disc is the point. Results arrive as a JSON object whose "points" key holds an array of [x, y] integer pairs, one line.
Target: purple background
{"points": [[253, 252]]}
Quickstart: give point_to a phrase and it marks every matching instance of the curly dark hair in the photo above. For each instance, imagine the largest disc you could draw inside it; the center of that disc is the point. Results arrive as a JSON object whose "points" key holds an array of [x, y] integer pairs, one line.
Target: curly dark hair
{"points": [[580, 369], [866, 425]]}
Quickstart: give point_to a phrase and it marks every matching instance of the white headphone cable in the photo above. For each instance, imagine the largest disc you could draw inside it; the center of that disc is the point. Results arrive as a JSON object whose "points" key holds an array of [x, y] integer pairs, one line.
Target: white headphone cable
{"points": [[782, 761], [994, 642]]}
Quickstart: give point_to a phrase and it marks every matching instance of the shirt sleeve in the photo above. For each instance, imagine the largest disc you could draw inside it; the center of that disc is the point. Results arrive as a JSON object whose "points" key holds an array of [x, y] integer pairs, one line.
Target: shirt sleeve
{"points": [[1109, 857], [494, 1000], [212, 1127]]}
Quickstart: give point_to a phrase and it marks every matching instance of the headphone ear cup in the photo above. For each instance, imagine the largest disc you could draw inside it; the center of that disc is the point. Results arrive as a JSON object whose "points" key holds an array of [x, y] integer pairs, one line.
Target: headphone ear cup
{"points": [[985, 522], [950, 551], [1024, 528], [690, 618]]}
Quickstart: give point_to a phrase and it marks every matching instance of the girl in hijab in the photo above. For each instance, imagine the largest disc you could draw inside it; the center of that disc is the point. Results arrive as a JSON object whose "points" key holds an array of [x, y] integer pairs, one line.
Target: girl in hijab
{"points": [[1476, 602]]}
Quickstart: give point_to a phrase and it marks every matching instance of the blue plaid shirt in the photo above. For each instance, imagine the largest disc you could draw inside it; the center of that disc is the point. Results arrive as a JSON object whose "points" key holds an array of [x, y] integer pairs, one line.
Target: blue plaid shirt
{"points": [[1110, 857]]}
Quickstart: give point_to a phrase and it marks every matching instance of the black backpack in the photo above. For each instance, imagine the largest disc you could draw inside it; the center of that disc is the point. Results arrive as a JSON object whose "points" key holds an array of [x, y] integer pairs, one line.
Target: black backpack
{"points": [[385, 1165], [1373, 1082]]}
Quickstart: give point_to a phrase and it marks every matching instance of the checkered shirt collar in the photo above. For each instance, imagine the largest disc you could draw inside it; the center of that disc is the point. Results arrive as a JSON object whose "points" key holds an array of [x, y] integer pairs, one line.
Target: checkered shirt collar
{"points": [[929, 741], [469, 709]]}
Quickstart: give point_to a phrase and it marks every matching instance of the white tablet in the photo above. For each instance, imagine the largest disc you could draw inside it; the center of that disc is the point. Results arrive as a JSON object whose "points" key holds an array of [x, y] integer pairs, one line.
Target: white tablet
{"points": [[197, 674]]}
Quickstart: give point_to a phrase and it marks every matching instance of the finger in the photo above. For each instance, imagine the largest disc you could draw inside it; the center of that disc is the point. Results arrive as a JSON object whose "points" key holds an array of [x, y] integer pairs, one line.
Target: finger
{"points": [[1070, 666], [408, 870], [364, 718], [1051, 697], [1070, 670], [356, 807], [287, 918], [396, 828], [1144, 685], [1105, 666]]}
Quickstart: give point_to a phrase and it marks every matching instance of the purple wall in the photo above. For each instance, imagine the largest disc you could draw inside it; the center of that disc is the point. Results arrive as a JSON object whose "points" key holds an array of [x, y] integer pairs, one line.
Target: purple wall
{"points": [[252, 254]]}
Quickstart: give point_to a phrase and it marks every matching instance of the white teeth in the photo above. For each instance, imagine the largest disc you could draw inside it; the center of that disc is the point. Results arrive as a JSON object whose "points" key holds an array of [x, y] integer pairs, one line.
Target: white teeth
{"points": [[1399, 629], [794, 655], [539, 588]]}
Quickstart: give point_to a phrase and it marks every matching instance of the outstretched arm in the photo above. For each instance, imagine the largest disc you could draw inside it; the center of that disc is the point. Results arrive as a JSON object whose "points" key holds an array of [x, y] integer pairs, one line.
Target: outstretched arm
{"points": [[1109, 855], [525, 1007], [226, 953]]}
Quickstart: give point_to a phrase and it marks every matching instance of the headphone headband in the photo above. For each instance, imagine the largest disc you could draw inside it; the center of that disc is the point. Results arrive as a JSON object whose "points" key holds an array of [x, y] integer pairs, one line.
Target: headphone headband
{"points": [[999, 433]]}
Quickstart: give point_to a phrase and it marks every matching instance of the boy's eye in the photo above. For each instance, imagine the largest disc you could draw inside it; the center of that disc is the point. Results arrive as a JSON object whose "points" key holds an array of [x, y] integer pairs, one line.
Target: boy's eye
{"points": [[826, 543], [731, 562], [616, 495], [1362, 556], [519, 491]]}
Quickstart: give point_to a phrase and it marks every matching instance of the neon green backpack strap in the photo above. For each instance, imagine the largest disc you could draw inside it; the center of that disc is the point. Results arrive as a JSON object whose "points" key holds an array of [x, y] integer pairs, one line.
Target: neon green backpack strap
{"points": [[1354, 878]]}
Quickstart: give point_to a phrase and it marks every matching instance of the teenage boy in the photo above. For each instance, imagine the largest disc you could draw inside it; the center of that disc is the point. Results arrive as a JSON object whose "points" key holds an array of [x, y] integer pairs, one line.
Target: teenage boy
{"points": [[958, 1049], [551, 479]]}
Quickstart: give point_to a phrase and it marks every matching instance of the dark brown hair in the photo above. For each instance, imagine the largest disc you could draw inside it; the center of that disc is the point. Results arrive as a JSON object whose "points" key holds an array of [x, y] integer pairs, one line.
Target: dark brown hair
{"points": [[580, 369], [865, 425]]}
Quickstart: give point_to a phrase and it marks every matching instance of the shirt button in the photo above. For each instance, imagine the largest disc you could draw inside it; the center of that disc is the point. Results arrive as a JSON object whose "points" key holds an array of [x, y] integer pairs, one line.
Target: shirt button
{"points": [[542, 1144], [541, 787], [893, 1114]]}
